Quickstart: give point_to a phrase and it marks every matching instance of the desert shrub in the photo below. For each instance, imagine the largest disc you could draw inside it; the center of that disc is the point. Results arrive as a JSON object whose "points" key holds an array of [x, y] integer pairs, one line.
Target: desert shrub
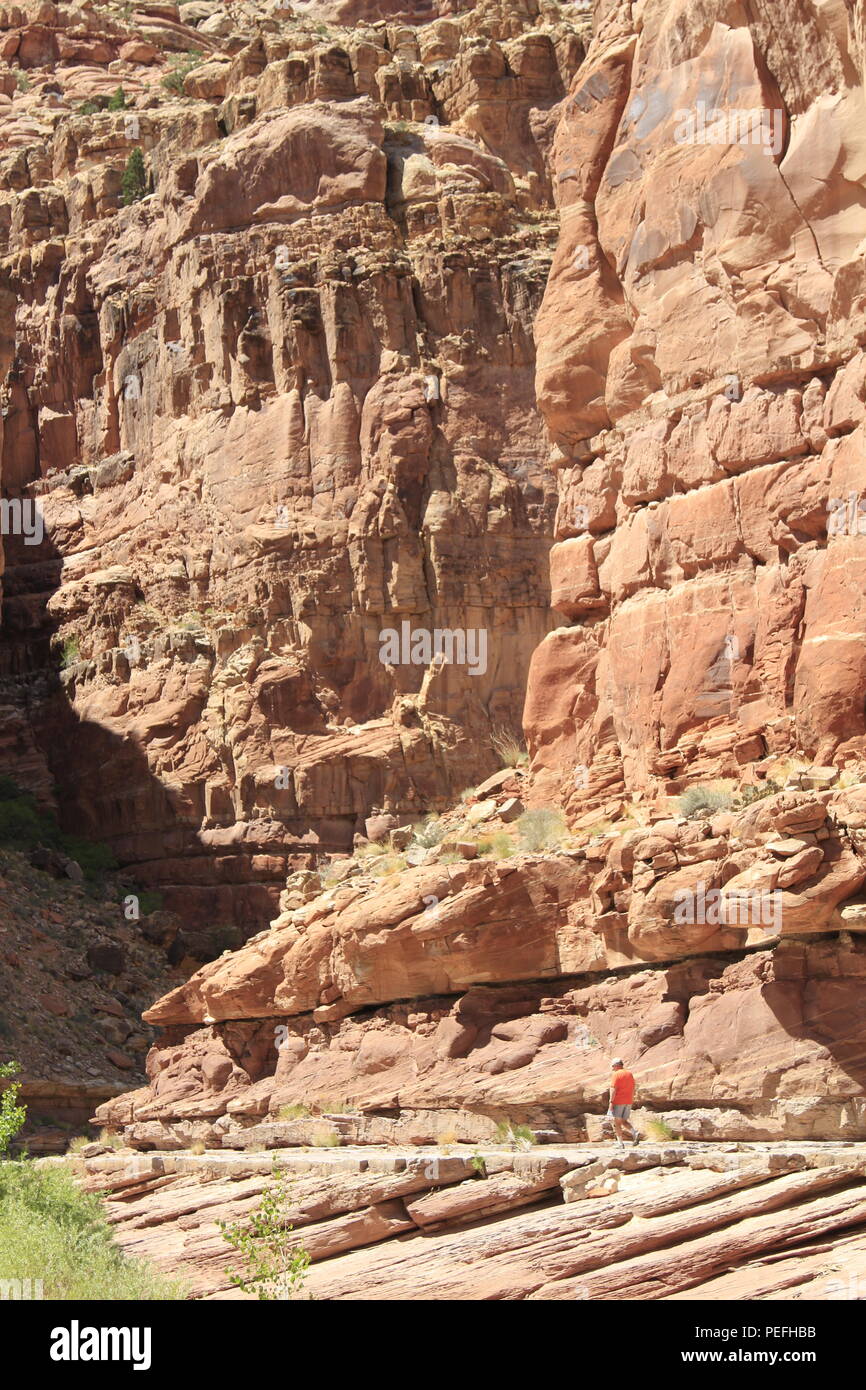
{"points": [[325, 1139], [541, 829], [429, 833], [703, 801], [133, 184], [51, 1230], [149, 901], [95, 859], [117, 102], [276, 1262], [68, 652], [509, 1133], [21, 823], [499, 844], [181, 64], [22, 81], [293, 1112], [509, 746], [657, 1129], [749, 795], [12, 1115], [385, 865]]}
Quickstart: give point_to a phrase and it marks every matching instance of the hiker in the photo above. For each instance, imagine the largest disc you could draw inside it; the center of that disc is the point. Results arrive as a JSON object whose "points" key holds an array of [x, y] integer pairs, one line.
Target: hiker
{"points": [[621, 1097]]}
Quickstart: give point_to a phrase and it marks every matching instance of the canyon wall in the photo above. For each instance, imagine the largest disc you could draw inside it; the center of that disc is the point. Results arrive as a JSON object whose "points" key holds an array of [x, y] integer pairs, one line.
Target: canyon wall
{"points": [[702, 376], [281, 404], [514, 320]]}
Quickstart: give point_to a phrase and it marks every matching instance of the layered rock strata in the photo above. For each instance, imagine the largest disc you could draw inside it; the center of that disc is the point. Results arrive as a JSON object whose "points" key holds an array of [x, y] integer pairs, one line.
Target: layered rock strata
{"points": [[281, 404]]}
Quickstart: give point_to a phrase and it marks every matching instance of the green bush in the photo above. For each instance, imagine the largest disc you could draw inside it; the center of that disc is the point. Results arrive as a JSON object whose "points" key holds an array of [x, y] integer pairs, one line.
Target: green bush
{"points": [[276, 1262], [149, 902], [519, 1135], [703, 801], [757, 792], [69, 652], [52, 1231], [541, 829], [118, 101], [12, 1115], [95, 859], [24, 826], [429, 833], [181, 65], [133, 184]]}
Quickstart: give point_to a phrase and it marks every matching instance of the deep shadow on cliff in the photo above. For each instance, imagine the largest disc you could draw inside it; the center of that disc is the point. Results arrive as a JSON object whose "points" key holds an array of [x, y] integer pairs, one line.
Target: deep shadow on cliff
{"points": [[97, 783]]}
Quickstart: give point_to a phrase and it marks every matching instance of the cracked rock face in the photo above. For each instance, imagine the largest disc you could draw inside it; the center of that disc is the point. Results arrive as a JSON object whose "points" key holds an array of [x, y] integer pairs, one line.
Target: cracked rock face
{"points": [[700, 369]]}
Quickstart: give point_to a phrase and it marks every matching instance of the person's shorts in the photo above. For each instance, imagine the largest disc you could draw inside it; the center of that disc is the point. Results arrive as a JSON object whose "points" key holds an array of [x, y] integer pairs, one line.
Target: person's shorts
{"points": [[621, 1112]]}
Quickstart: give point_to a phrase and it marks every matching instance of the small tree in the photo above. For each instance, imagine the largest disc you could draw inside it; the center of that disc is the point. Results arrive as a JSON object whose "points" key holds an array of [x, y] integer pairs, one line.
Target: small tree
{"points": [[117, 101], [12, 1115], [134, 182], [276, 1264]]}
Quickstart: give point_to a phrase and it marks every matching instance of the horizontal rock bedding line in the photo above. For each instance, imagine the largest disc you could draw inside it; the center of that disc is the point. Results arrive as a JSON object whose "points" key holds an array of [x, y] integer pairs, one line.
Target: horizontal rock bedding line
{"points": [[486, 1223]]}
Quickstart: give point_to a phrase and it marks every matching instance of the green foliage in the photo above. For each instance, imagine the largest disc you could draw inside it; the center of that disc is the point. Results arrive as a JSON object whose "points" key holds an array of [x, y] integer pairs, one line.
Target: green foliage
{"points": [[93, 105], [180, 66], [12, 1115], [95, 859], [69, 652], [276, 1263], [22, 81], [657, 1129], [293, 1112], [519, 1135], [478, 1164], [149, 902], [703, 801], [499, 844], [541, 829], [24, 825], [758, 792], [50, 1230], [429, 833], [133, 184]]}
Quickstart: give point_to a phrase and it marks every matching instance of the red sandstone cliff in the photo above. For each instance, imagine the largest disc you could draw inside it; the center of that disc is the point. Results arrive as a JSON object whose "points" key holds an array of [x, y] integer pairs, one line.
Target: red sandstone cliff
{"points": [[335, 372]]}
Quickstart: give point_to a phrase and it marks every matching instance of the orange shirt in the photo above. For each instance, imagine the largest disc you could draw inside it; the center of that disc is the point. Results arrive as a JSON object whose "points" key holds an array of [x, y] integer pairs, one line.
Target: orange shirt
{"points": [[623, 1087]]}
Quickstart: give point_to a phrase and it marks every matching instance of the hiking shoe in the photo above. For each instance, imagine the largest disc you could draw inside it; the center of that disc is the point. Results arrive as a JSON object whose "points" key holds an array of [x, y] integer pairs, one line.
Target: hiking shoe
{"points": [[637, 1138]]}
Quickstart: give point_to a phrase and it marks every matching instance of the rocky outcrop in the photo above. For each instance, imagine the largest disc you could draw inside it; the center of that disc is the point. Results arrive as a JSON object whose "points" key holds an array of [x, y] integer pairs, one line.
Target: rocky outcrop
{"points": [[740, 1028], [679, 1220]]}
